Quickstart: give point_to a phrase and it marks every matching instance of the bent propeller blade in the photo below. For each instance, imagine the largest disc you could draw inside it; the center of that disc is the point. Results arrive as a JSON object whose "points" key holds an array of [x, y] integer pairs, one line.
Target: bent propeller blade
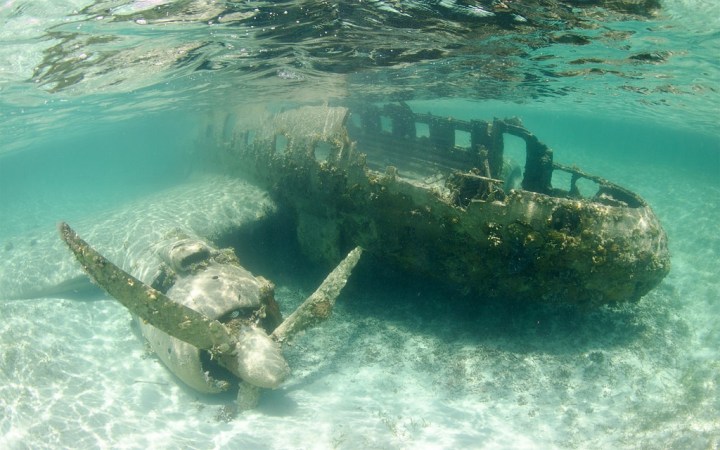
{"points": [[319, 305], [147, 303]]}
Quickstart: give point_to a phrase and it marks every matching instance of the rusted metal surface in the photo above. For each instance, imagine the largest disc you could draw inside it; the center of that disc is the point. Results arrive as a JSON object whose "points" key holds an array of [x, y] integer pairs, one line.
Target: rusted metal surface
{"points": [[436, 196]]}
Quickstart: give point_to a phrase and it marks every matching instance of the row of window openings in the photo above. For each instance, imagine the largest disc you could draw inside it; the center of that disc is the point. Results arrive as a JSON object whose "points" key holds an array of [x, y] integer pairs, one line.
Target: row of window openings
{"points": [[422, 130], [514, 152]]}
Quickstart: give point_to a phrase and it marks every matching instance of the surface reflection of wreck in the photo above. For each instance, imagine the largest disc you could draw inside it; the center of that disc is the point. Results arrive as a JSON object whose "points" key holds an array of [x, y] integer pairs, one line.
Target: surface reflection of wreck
{"points": [[437, 196]]}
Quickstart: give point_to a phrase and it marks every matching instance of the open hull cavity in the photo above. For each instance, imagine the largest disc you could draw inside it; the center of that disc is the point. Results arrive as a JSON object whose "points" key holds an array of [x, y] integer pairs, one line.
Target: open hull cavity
{"points": [[438, 196]]}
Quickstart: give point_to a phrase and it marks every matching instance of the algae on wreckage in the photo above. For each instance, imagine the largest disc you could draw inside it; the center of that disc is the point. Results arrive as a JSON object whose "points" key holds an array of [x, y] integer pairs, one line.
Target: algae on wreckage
{"points": [[215, 325], [437, 196]]}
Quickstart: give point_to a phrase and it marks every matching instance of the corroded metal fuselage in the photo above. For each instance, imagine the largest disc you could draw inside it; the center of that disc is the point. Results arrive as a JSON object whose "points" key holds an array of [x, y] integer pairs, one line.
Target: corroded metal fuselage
{"points": [[437, 196]]}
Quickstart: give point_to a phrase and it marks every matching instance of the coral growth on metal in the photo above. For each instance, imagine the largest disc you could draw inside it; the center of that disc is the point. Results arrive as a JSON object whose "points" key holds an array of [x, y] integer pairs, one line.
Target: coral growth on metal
{"points": [[438, 196]]}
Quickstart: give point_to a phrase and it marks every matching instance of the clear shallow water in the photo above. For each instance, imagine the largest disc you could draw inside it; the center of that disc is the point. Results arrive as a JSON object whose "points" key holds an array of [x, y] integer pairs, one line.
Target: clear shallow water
{"points": [[99, 105]]}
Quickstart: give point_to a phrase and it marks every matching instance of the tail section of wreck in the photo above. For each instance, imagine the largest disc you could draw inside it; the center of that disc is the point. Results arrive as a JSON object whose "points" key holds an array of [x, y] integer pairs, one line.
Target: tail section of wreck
{"points": [[404, 187]]}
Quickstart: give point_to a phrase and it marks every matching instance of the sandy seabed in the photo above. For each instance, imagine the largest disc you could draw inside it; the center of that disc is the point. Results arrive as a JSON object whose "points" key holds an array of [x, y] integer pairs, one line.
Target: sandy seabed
{"points": [[401, 364]]}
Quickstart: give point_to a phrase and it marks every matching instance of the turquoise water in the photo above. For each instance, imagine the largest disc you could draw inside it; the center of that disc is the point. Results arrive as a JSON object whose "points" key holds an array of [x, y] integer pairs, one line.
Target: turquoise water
{"points": [[101, 112]]}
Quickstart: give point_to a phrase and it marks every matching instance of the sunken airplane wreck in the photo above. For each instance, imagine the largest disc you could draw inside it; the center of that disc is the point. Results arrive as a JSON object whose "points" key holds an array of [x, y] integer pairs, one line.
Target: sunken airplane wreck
{"points": [[364, 179], [403, 187]]}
